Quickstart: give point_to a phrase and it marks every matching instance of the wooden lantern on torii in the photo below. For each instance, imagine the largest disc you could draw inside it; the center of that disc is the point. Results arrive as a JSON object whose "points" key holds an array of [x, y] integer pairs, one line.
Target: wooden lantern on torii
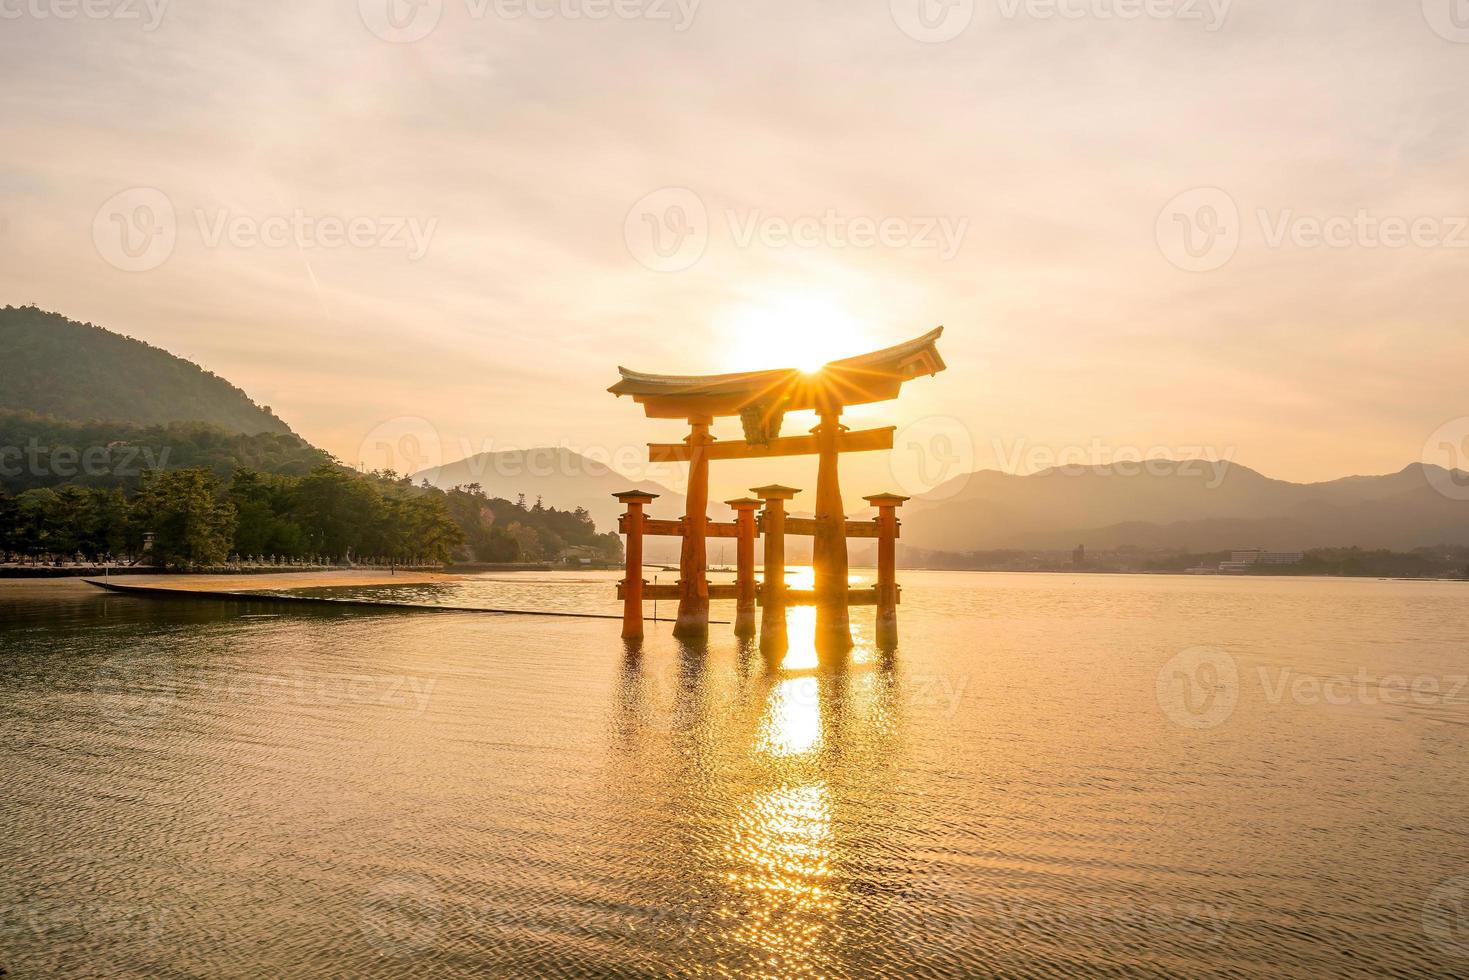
{"points": [[760, 399]]}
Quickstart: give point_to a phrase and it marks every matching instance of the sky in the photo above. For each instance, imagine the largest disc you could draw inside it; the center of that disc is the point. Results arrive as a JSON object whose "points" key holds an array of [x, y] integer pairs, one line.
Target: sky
{"points": [[418, 229]]}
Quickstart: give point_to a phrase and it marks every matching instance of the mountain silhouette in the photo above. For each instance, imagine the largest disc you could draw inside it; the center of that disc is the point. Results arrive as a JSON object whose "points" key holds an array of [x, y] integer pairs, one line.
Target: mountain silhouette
{"points": [[80, 372], [1196, 505]]}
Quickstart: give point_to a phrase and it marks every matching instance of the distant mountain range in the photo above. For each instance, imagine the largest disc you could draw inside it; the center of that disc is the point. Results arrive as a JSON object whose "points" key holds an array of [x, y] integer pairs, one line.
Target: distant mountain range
{"points": [[565, 479], [560, 477], [1192, 505], [76, 371], [81, 373]]}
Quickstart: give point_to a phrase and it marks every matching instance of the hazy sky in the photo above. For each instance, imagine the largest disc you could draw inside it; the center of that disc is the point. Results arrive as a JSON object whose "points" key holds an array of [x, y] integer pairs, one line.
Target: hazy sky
{"points": [[1111, 214]]}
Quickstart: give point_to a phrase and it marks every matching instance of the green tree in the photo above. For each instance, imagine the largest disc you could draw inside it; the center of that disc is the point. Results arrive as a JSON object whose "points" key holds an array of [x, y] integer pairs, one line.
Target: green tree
{"points": [[35, 522], [337, 509], [190, 524]]}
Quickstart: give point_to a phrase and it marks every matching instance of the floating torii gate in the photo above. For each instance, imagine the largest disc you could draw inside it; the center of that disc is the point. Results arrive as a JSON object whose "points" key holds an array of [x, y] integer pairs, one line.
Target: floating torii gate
{"points": [[761, 399]]}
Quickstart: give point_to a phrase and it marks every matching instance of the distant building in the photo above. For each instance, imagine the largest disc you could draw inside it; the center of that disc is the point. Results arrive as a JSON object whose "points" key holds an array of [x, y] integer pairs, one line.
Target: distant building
{"points": [[1078, 556], [580, 554], [1243, 561]]}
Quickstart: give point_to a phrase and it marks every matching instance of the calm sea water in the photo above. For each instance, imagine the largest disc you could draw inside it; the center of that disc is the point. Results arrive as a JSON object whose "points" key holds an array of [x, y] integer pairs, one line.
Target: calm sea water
{"points": [[1052, 776]]}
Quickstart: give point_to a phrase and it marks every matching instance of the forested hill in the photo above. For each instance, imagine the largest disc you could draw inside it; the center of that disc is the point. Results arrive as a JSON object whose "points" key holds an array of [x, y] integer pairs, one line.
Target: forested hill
{"points": [[68, 370]]}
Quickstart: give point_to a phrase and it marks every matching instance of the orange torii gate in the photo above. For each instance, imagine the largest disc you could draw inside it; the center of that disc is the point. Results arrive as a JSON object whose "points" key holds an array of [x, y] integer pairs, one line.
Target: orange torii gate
{"points": [[761, 399]]}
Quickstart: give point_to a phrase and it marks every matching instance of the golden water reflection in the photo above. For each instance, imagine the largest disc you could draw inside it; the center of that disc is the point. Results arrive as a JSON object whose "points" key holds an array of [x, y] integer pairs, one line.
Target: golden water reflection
{"points": [[791, 724], [801, 653], [780, 859]]}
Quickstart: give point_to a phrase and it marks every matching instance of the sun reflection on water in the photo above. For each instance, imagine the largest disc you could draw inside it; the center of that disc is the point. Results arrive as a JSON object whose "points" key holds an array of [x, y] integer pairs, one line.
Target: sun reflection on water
{"points": [[780, 859], [801, 653], [792, 721]]}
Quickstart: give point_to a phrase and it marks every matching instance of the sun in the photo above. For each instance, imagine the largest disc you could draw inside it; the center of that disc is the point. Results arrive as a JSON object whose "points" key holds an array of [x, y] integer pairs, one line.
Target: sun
{"points": [[803, 332]]}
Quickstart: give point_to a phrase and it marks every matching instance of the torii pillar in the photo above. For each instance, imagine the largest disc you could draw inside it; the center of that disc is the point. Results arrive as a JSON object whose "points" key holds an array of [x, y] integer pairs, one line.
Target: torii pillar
{"points": [[829, 549], [773, 638], [693, 572], [632, 579], [887, 505], [744, 508]]}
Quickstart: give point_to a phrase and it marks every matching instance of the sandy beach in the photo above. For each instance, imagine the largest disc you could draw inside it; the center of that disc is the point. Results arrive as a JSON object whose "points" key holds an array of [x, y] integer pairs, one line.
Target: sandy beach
{"points": [[285, 580], [230, 583]]}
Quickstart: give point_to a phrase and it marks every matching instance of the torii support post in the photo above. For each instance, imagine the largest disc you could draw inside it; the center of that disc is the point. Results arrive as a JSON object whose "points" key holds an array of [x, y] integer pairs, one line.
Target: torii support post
{"points": [[829, 549], [887, 505], [693, 578], [744, 508], [773, 639], [632, 581]]}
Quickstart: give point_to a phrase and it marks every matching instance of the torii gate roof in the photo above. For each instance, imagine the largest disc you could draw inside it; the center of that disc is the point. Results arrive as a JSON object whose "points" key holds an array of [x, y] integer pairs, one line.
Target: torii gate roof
{"points": [[873, 377]]}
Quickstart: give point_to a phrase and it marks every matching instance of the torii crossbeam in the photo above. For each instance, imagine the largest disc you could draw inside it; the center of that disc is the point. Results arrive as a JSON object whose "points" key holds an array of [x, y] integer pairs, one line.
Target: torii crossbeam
{"points": [[761, 399]]}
